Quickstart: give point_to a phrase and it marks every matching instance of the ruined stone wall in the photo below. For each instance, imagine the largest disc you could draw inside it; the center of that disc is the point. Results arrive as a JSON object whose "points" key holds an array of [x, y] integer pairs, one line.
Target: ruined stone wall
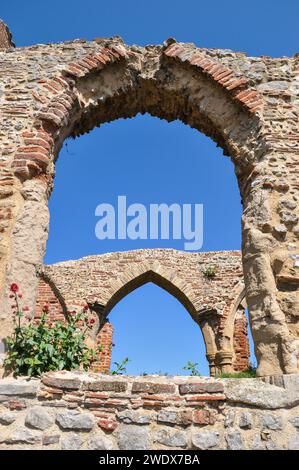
{"points": [[247, 105], [71, 411], [216, 303]]}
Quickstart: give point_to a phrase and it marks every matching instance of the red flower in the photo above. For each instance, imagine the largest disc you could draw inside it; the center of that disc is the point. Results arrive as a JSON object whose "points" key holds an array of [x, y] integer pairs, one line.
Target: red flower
{"points": [[20, 296], [14, 287], [92, 321], [85, 308], [46, 308]]}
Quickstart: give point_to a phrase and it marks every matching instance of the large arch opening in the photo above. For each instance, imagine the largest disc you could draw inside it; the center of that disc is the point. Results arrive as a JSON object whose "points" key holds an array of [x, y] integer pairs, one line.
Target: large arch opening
{"points": [[173, 81], [150, 327], [197, 171]]}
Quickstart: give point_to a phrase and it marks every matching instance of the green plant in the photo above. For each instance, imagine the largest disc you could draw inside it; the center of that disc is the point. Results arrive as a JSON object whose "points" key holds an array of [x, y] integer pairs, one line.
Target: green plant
{"points": [[120, 367], [245, 374], [192, 368], [38, 346], [210, 271]]}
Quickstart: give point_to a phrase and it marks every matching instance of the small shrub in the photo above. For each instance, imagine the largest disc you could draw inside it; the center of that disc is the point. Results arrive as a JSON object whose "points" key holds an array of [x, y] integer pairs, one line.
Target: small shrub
{"points": [[210, 271], [192, 368], [120, 367], [39, 346]]}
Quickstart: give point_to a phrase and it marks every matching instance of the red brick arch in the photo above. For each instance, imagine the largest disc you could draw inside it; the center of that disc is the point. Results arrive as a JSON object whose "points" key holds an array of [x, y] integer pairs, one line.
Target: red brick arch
{"points": [[246, 105], [104, 280]]}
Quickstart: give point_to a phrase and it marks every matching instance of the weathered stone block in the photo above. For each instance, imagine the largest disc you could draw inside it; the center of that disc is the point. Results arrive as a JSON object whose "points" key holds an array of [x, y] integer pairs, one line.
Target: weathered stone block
{"points": [[234, 440], [131, 416], [72, 419], [71, 442], [23, 436], [271, 422], [206, 440], [51, 439], [18, 387], [106, 386], [201, 387], [7, 418], [100, 442], [152, 388], [132, 437], [38, 418], [171, 438], [245, 421]]}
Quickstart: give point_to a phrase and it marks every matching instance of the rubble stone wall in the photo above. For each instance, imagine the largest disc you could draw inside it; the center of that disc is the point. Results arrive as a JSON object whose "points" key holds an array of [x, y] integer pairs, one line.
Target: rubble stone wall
{"points": [[71, 411], [248, 105]]}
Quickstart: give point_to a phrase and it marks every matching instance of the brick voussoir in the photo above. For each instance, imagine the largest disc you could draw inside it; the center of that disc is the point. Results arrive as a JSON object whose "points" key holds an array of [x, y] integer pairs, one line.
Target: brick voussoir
{"points": [[236, 86]]}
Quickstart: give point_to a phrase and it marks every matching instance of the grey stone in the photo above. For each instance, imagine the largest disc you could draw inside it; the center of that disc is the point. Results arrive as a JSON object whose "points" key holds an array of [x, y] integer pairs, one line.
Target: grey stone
{"points": [[38, 418], [7, 418], [18, 387], [288, 218], [100, 442], [271, 422], [293, 443], [132, 437], [24, 436], [234, 440], [254, 392], [280, 229], [257, 443], [67, 381], [245, 421], [171, 438], [131, 416], [165, 416], [294, 421], [206, 439], [71, 442], [51, 439], [271, 445], [274, 85], [72, 419], [229, 419]]}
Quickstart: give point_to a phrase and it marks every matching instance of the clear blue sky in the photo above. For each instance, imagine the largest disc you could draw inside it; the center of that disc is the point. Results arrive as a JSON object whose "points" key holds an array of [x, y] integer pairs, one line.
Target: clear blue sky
{"points": [[148, 160]]}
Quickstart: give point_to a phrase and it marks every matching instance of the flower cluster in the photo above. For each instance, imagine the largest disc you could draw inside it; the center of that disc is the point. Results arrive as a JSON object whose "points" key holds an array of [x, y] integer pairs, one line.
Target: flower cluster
{"points": [[39, 345]]}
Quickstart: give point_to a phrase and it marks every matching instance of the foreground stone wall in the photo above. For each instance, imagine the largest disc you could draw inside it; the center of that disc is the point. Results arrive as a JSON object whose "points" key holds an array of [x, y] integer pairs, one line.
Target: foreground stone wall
{"points": [[217, 304], [67, 410]]}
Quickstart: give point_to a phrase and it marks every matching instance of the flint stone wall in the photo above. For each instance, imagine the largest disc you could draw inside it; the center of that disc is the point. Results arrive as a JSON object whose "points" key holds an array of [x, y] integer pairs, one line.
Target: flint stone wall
{"points": [[248, 105], [74, 410]]}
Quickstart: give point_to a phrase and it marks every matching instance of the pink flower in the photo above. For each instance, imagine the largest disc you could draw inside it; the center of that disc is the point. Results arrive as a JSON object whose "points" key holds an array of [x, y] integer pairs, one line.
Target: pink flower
{"points": [[26, 309], [20, 296], [46, 308], [14, 287], [85, 308]]}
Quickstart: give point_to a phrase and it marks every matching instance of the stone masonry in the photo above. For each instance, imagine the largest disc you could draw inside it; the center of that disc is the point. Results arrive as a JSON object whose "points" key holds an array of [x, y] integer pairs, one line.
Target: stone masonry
{"points": [[248, 105], [215, 303], [70, 411]]}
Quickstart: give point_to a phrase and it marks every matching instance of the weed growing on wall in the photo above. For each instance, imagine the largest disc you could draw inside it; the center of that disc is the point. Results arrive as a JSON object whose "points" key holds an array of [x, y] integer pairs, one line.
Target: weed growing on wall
{"points": [[38, 346]]}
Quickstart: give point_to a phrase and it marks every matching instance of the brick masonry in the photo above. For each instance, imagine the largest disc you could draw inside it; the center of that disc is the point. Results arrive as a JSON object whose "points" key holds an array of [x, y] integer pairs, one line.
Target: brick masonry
{"points": [[216, 304], [247, 105], [73, 410]]}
